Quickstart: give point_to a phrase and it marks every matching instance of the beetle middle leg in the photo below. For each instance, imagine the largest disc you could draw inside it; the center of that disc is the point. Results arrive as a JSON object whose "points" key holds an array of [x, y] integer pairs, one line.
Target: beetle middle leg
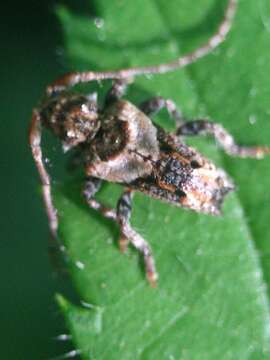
{"points": [[122, 216], [223, 138], [203, 127]]}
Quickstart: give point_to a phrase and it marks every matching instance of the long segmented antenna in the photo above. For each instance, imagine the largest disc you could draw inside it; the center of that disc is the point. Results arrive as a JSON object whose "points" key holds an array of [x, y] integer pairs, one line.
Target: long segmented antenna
{"points": [[215, 40]]}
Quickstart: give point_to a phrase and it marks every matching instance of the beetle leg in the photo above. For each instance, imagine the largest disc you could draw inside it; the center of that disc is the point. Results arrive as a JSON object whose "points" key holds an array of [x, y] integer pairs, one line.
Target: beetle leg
{"points": [[124, 208], [117, 91], [91, 187], [223, 138], [121, 216], [203, 127], [157, 103], [35, 143]]}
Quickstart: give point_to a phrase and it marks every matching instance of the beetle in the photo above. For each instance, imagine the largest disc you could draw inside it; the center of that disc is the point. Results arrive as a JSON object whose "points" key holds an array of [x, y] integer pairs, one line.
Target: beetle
{"points": [[119, 143]]}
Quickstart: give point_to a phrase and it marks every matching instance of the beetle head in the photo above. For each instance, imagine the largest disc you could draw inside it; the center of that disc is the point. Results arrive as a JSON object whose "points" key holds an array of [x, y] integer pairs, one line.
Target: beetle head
{"points": [[81, 123]]}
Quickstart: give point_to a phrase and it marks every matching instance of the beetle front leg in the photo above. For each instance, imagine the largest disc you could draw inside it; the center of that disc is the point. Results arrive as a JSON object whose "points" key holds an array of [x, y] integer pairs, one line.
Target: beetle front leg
{"points": [[117, 91], [35, 143], [157, 103], [124, 208], [223, 138]]}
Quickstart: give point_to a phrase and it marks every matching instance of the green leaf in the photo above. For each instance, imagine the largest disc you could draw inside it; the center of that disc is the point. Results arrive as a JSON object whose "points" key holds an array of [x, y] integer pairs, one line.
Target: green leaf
{"points": [[212, 301]]}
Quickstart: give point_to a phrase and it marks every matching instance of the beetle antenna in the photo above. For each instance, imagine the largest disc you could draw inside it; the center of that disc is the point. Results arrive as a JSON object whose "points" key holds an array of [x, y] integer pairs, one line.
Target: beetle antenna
{"points": [[71, 79]]}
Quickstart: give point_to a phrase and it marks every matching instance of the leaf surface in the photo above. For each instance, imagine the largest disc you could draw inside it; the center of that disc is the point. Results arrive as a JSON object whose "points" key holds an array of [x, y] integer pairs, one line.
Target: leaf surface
{"points": [[212, 301]]}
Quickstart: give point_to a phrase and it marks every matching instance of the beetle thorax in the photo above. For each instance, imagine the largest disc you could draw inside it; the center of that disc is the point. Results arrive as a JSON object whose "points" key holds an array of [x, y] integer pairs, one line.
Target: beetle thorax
{"points": [[125, 146]]}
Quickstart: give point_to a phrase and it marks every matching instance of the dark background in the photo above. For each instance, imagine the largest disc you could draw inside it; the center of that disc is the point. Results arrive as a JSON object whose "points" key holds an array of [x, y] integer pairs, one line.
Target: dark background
{"points": [[30, 57]]}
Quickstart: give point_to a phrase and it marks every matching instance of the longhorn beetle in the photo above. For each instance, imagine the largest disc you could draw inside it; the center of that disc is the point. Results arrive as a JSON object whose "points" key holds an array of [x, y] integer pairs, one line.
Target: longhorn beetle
{"points": [[119, 143]]}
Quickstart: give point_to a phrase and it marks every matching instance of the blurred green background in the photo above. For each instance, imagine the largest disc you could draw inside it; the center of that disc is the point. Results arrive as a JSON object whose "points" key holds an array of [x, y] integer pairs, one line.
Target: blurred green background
{"points": [[31, 57]]}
